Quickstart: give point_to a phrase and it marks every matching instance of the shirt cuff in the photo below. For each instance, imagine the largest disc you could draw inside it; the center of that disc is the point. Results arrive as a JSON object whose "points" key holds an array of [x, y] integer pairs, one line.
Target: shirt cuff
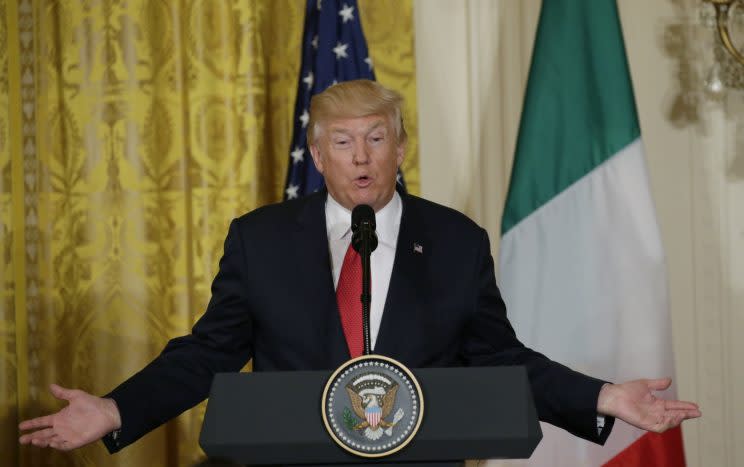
{"points": [[111, 441]]}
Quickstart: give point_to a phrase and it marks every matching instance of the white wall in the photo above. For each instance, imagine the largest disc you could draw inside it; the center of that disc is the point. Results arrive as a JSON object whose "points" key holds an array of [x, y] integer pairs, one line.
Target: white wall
{"points": [[472, 63]]}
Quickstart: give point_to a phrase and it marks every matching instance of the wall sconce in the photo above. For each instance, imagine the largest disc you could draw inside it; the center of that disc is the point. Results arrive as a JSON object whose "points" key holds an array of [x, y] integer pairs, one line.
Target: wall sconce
{"points": [[723, 8], [727, 69]]}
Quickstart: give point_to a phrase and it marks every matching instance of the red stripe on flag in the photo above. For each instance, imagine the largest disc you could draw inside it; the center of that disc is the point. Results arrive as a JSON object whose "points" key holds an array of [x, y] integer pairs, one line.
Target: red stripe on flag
{"points": [[653, 449]]}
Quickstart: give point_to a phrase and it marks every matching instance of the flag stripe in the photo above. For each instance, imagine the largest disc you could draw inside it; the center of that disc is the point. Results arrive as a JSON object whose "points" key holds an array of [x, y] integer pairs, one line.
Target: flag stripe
{"points": [[579, 107], [658, 450]]}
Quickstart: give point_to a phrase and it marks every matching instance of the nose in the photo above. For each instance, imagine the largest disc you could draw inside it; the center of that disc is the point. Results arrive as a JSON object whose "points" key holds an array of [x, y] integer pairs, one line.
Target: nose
{"points": [[361, 155]]}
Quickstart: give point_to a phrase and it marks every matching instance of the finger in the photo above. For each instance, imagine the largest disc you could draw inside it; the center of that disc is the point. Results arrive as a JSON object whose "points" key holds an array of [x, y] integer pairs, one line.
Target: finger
{"points": [[679, 419], [60, 445], [680, 405], [42, 443], [670, 420], [675, 420], [39, 422], [681, 415], [61, 393], [659, 384], [41, 434], [687, 413]]}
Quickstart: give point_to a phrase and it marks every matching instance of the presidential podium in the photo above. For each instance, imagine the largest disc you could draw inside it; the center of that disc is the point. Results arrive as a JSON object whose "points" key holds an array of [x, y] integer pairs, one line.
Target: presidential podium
{"points": [[275, 418]]}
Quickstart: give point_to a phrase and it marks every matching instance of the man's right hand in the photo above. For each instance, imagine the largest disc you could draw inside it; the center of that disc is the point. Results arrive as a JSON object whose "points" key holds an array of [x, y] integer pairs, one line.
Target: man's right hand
{"points": [[86, 419]]}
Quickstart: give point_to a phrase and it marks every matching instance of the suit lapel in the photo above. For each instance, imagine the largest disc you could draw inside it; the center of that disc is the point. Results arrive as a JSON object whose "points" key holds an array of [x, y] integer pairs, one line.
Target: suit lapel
{"points": [[313, 257], [408, 286]]}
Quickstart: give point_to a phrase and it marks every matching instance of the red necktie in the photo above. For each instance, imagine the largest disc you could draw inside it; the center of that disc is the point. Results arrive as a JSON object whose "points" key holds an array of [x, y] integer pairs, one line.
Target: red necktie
{"points": [[348, 297]]}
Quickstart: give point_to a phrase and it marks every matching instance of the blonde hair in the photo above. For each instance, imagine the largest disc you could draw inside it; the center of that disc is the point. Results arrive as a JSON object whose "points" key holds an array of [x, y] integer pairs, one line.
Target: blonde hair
{"points": [[358, 98]]}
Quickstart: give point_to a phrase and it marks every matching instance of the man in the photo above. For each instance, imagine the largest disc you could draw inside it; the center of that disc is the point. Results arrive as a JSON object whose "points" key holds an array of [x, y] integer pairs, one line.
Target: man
{"points": [[434, 298]]}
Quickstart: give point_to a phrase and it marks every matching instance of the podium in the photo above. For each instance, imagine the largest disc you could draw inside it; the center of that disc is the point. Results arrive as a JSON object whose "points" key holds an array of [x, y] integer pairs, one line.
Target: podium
{"points": [[274, 418]]}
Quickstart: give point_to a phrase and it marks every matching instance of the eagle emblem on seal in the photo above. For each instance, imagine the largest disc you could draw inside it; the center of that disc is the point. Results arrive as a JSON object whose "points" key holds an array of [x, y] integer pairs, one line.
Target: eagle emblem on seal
{"points": [[372, 398]]}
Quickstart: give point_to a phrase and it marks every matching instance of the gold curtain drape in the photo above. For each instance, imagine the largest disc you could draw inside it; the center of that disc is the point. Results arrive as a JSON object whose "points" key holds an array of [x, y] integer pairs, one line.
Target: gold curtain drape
{"points": [[131, 132]]}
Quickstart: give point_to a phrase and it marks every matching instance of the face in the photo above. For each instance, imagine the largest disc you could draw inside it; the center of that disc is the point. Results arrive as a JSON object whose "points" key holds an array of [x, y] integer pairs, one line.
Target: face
{"points": [[359, 159]]}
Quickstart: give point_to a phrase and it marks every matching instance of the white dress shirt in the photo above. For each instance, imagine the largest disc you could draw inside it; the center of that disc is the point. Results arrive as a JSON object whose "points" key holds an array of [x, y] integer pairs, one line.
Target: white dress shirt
{"points": [[338, 228]]}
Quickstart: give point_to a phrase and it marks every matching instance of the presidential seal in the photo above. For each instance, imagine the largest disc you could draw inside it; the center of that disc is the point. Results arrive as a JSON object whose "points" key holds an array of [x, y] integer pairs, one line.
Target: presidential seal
{"points": [[372, 406]]}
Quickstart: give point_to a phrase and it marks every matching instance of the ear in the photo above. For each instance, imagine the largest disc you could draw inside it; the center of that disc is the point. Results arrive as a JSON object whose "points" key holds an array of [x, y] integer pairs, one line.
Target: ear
{"points": [[317, 158], [400, 151]]}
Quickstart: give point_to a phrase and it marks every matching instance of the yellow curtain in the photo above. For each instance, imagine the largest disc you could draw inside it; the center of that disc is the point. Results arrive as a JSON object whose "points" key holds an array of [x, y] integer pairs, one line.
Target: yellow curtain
{"points": [[131, 132]]}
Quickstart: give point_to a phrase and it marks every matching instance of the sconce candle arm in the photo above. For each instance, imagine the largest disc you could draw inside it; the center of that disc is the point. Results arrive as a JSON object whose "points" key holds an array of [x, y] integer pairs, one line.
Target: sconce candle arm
{"points": [[722, 17]]}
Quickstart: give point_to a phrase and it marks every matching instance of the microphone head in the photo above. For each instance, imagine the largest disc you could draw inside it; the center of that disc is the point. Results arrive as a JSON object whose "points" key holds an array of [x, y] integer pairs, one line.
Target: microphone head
{"points": [[362, 213], [363, 228]]}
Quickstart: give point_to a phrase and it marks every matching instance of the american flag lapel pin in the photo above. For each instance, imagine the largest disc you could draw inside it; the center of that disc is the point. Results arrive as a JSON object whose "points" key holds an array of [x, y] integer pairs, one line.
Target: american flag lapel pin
{"points": [[418, 248]]}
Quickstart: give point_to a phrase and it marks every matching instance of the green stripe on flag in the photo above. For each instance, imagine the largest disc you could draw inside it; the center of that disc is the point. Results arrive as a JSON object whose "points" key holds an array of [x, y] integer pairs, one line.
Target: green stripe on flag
{"points": [[579, 107]]}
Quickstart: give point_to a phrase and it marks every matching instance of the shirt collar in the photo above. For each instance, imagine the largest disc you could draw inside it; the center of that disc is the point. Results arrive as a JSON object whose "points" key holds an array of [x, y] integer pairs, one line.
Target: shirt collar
{"points": [[338, 220]]}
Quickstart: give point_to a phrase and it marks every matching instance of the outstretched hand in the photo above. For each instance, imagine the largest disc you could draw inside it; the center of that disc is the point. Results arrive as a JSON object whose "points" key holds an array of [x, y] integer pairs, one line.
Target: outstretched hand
{"points": [[635, 403], [86, 419]]}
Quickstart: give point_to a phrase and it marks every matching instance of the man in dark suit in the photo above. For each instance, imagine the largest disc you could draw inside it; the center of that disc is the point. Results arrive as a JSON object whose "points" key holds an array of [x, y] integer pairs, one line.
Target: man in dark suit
{"points": [[435, 300]]}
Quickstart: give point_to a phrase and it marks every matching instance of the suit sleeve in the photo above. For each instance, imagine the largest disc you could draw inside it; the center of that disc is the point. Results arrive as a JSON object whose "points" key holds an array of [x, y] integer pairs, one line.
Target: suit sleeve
{"points": [[181, 376], [563, 397]]}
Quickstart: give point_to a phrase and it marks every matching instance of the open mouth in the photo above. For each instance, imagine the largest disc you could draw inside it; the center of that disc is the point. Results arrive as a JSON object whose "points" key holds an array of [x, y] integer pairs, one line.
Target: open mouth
{"points": [[363, 181]]}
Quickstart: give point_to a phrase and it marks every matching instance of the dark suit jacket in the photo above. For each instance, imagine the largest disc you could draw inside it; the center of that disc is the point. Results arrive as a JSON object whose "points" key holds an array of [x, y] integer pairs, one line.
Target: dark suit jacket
{"points": [[273, 300]]}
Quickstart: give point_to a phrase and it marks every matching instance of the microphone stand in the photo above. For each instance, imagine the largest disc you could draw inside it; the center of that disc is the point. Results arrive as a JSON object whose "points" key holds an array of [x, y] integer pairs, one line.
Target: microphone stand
{"points": [[366, 296]]}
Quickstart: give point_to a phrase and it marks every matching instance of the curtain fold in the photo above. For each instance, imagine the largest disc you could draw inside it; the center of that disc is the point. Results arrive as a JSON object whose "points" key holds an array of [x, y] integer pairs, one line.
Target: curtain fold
{"points": [[475, 56], [131, 133]]}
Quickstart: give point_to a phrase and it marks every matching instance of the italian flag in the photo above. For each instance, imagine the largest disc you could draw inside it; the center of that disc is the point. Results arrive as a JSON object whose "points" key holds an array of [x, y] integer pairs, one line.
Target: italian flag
{"points": [[581, 261]]}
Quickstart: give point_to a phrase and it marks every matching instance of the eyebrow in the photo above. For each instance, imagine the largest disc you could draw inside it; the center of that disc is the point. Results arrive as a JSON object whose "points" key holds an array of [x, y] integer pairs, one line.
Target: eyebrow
{"points": [[346, 131]]}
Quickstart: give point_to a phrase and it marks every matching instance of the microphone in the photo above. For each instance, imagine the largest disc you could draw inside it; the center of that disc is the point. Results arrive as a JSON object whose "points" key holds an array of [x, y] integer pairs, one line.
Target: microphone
{"points": [[364, 241], [363, 228]]}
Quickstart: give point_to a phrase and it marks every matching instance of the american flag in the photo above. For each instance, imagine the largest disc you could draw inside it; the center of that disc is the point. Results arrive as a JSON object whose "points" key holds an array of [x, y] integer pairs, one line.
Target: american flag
{"points": [[333, 50]]}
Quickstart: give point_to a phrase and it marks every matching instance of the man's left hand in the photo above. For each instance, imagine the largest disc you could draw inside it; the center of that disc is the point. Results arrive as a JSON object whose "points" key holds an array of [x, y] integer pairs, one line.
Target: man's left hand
{"points": [[635, 403]]}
